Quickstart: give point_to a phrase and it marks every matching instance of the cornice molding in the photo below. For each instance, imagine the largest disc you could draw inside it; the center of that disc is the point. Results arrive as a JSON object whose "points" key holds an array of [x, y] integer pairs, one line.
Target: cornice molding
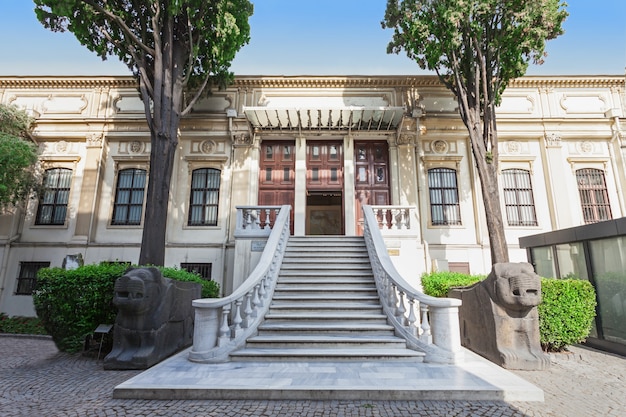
{"points": [[304, 82]]}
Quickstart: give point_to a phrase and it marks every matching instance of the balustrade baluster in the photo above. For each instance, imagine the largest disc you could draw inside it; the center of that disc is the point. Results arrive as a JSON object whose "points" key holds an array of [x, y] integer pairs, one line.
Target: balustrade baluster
{"points": [[247, 311], [224, 334], [247, 219], [401, 310], [394, 219], [426, 336], [412, 319], [385, 223], [267, 219], [237, 320], [262, 291], [404, 219], [255, 299]]}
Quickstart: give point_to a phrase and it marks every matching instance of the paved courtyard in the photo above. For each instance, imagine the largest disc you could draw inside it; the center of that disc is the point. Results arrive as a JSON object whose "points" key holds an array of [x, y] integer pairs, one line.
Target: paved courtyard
{"points": [[37, 380]]}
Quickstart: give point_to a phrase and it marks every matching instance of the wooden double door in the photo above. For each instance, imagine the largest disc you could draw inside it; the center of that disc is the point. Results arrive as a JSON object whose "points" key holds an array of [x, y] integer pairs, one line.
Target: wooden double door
{"points": [[324, 212]]}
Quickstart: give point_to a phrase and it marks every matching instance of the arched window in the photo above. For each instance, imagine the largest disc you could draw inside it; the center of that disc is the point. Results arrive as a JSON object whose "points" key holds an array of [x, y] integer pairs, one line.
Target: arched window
{"points": [[128, 206], [594, 197], [518, 197], [52, 208], [204, 197], [444, 196]]}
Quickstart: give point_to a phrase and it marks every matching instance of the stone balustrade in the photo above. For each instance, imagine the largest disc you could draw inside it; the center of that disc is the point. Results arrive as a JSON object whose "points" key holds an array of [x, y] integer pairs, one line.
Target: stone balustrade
{"points": [[222, 325], [393, 217], [255, 221], [428, 324]]}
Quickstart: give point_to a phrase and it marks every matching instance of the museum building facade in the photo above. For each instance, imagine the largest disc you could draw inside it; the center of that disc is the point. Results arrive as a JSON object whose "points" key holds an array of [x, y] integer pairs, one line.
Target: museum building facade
{"points": [[326, 146]]}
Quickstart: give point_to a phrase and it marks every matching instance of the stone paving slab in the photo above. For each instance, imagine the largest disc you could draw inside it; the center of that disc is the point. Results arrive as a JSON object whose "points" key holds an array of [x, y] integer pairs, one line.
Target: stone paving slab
{"points": [[37, 380]]}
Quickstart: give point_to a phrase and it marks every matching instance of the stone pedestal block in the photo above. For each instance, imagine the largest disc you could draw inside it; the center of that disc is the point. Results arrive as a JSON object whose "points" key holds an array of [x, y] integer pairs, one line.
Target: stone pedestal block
{"points": [[499, 318], [155, 318]]}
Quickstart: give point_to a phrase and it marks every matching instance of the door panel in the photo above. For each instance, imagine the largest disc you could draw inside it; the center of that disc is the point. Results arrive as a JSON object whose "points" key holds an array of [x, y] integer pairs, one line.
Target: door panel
{"points": [[371, 184], [324, 165], [277, 175]]}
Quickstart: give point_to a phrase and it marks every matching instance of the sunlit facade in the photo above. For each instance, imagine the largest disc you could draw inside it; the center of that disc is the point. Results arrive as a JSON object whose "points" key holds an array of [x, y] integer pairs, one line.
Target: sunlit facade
{"points": [[325, 145]]}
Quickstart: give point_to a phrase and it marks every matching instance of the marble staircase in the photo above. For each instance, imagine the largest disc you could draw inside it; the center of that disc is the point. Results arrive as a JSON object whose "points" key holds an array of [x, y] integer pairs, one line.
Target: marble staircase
{"points": [[325, 307]]}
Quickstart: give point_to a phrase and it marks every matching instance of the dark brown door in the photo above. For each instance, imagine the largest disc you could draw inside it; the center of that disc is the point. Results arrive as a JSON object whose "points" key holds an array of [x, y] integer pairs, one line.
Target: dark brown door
{"points": [[371, 182], [277, 175]]}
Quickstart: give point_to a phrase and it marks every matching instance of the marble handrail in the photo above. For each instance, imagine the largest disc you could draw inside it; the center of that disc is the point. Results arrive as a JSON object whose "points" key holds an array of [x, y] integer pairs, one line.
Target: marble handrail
{"points": [[223, 324], [428, 324]]}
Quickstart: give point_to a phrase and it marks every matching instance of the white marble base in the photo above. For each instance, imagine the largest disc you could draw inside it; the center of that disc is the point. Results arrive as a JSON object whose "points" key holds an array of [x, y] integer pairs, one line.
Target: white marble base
{"points": [[476, 379]]}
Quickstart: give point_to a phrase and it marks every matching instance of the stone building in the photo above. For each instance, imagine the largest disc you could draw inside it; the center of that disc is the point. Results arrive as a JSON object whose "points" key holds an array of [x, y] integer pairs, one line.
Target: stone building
{"points": [[326, 145]]}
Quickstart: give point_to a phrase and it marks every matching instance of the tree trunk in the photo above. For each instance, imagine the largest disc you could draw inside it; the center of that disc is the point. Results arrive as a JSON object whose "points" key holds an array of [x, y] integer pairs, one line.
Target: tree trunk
{"points": [[488, 174], [157, 198]]}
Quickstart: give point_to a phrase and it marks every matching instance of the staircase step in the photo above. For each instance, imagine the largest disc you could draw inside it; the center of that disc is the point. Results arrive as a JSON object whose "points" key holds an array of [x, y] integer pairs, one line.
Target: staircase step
{"points": [[298, 354], [297, 304], [318, 315], [325, 327], [326, 341], [371, 297]]}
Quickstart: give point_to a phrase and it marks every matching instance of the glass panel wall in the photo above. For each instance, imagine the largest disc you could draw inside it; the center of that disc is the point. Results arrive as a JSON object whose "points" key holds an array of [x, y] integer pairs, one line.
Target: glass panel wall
{"points": [[543, 261], [608, 260]]}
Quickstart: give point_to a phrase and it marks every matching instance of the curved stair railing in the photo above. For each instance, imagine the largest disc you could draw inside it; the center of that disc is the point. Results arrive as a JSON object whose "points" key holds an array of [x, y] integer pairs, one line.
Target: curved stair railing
{"points": [[428, 324], [223, 324]]}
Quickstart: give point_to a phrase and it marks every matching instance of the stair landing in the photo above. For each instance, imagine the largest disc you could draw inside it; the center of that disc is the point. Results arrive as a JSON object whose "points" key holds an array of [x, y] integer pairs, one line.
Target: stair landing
{"points": [[476, 379]]}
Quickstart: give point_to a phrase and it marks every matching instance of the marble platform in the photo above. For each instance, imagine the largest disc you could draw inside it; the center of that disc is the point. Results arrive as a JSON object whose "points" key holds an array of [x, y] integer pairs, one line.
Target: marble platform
{"points": [[475, 379]]}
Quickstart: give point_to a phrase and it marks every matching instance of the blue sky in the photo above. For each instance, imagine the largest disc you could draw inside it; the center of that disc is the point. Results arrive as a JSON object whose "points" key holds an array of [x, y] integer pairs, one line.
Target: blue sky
{"points": [[317, 37]]}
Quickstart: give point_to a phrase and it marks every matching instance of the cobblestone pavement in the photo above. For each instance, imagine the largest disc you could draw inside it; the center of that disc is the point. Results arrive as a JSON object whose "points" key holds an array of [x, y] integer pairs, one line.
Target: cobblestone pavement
{"points": [[37, 380]]}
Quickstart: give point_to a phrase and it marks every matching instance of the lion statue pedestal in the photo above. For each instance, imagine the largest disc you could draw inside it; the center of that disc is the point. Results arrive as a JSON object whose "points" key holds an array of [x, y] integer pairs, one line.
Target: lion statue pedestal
{"points": [[154, 320], [499, 318]]}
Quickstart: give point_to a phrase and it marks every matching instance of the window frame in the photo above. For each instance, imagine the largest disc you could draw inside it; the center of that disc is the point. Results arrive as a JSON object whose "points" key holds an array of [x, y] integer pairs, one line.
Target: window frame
{"points": [[55, 190], [592, 192], [445, 206], [121, 170], [517, 204], [32, 277], [203, 205]]}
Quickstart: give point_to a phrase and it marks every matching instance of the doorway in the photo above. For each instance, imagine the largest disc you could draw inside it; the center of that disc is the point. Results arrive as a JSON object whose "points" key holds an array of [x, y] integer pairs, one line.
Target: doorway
{"points": [[324, 188]]}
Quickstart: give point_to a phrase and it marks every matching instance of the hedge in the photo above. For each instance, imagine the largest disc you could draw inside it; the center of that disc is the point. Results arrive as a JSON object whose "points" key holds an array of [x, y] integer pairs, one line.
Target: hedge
{"points": [[72, 303], [566, 311]]}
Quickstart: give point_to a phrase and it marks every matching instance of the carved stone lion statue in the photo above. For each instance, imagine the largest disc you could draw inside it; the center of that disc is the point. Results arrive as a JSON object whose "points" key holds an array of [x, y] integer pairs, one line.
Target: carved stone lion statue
{"points": [[499, 318], [154, 320]]}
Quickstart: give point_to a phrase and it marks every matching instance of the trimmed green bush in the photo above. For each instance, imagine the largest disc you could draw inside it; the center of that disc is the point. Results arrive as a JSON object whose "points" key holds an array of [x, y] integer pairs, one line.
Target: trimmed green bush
{"points": [[210, 289], [72, 303], [566, 312], [437, 284], [21, 325]]}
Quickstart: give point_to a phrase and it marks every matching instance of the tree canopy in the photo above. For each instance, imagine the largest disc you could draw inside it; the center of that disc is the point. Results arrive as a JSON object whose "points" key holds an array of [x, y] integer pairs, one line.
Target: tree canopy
{"points": [[177, 49], [476, 47], [18, 156]]}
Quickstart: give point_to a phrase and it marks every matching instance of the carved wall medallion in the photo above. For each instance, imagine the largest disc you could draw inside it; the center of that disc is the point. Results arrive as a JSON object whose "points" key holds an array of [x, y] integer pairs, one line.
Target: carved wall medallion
{"points": [[62, 146], [135, 147], [207, 146], [440, 146], [585, 147], [513, 147]]}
